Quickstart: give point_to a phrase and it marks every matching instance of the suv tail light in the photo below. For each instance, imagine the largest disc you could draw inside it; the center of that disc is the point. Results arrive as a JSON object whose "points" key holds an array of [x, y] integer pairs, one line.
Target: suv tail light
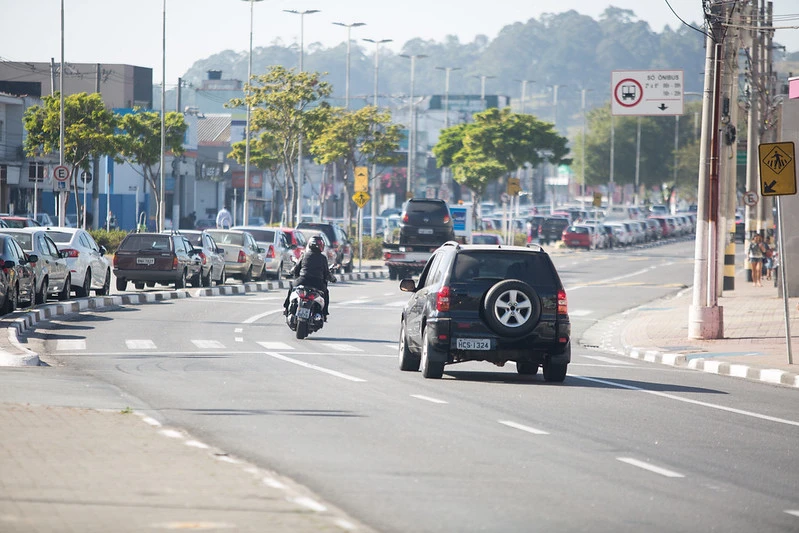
{"points": [[174, 262], [405, 218], [446, 219], [116, 261], [242, 257], [442, 299], [563, 306], [70, 252]]}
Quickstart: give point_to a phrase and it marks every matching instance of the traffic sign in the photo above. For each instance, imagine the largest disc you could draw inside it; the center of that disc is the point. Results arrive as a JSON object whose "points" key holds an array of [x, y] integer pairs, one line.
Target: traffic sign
{"points": [[514, 187], [597, 199], [647, 92], [86, 177], [61, 173], [777, 169], [750, 198], [360, 198], [361, 179]]}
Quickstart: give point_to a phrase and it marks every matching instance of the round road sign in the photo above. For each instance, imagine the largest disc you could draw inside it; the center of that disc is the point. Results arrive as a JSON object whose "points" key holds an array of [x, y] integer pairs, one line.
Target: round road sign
{"points": [[61, 173], [750, 198], [628, 92]]}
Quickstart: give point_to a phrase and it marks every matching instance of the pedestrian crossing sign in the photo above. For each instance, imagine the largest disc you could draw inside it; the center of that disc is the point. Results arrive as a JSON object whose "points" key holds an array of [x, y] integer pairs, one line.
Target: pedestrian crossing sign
{"points": [[360, 198], [777, 169]]}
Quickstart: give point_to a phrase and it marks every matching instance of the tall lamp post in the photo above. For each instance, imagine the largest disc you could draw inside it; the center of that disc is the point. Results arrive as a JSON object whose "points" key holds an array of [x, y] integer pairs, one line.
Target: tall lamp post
{"points": [[377, 43], [411, 128], [246, 214], [349, 42], [483, 78], [555, 103], [299, 144], [447, 71], [582, 186], [161, 206], [524, 94]]}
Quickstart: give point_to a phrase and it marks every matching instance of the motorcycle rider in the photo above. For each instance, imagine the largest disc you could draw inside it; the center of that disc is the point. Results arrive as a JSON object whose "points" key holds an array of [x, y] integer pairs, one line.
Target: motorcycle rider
{"points": [[312, 271]]}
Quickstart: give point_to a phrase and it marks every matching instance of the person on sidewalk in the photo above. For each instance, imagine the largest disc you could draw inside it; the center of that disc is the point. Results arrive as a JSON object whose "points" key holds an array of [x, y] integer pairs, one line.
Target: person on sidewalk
{"points": [[224, 219], [756, 253], [768, 253]]}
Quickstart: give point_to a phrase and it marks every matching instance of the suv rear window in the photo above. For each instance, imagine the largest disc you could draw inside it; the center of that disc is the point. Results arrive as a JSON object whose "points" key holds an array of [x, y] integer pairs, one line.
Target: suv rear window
{"points": [[146, 242], [533, 268]]}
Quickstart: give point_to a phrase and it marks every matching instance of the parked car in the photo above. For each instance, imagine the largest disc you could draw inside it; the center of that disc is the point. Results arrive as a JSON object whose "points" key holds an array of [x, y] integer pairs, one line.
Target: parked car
{"points": [[150, 258], [19, 222], [509, 305], [551, 229], [486, 238], [339, 241], [205, 223], [51, 274], [296, 240], [212, 258], [88, 266], [329, 252], [277, 255], [43, 219], [582, 236], [244, 259], [17, 279]]}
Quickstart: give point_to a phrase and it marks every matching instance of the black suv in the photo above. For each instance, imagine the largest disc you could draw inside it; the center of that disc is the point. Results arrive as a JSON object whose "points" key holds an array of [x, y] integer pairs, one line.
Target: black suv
{"points": [[486, 303], [426, 221], [551, 229], [338, 241]]}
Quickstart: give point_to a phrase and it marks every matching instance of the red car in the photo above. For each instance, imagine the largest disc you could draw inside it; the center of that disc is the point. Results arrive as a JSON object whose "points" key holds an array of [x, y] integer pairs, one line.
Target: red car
{"points": [[296, 240], [576, 236]]}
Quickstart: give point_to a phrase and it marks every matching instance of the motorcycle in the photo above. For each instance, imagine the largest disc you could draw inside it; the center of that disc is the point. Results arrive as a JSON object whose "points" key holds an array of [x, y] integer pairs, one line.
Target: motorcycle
{"points": [[305, 310]]}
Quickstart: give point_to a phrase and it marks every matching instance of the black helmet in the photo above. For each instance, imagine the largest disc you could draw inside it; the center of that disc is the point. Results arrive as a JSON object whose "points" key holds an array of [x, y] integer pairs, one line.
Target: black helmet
{"points": [[317, 244]]}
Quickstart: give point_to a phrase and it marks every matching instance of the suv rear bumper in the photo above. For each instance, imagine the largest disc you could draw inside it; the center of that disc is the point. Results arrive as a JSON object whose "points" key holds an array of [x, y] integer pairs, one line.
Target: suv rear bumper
{"points": [[148, 275]]}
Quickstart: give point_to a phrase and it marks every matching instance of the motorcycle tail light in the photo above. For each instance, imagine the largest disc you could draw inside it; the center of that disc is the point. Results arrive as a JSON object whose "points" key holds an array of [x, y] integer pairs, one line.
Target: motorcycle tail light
{"points": [[70, 253], [563, 306], [242, 257], [442, 299]]}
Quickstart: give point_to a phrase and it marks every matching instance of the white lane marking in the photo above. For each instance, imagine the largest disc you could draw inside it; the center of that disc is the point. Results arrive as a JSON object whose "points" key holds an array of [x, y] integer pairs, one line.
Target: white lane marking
{"points": [[580, 312], [528, 429], [343, 347], [427, 398], [313, 505], [238, 339], [70, 344], [693, 402], [192, 352], [275, 345], [272, 482], [392, 347], [397, 304], [207, 344], [607, 360], [140, 344], [793, 513], [197, 444], [238, 330], [617, 278], [389, 293], [315, 367], [649, 467], [261, 315], [352, 302]]}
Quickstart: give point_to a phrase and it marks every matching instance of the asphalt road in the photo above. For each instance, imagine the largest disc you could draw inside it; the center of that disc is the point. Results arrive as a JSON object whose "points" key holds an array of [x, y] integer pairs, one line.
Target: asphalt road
{"points": [[621, 445]]}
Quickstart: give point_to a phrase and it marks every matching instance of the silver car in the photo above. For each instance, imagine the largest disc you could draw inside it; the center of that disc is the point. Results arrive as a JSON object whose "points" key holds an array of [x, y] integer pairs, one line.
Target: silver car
{"points": [[277, 255], [88, 266], [244, 259], [52, 276], [212, 258]]}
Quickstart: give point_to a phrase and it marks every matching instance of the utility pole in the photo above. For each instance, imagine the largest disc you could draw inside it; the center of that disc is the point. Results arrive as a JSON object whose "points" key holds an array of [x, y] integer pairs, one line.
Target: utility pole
{"points": [[95, 170], [753, 129], [705, 316]]}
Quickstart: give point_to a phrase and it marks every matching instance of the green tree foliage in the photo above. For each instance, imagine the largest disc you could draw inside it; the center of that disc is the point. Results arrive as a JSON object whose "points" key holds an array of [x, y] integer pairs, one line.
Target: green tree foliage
{"points": [[139, 144], [496, 143], [353, 138], [88, 131], [285, 103]]}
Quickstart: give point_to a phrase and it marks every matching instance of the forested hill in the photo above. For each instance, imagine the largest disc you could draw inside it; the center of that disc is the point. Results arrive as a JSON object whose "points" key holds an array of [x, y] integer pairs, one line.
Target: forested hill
{"points": [[567, 49]]}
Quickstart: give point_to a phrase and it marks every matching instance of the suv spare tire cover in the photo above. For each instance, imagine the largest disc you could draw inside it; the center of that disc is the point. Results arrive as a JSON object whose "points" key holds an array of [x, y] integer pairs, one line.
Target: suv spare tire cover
{"points": [[511, 308]]}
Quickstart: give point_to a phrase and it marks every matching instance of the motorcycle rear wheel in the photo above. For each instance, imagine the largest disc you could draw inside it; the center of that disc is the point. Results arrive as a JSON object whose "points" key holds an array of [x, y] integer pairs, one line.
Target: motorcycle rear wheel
{"points": [[302, 329]]}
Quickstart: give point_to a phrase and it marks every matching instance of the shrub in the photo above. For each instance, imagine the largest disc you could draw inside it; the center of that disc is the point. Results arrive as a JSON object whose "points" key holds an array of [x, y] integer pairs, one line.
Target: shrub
{"points": [[110, 239], [372, 248]]}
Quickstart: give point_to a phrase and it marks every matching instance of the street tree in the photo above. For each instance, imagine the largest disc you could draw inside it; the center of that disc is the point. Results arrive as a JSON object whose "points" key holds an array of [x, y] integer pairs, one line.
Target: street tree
{"points": [[139, 144], [355, 138], [496, 143], [265, 155], [287, 104], [88, 132]]}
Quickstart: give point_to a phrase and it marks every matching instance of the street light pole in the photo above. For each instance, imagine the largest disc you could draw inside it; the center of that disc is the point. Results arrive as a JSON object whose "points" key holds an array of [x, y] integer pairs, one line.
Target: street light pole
{"points": [[161, 206], [349, 42], [377, 43], [246, 203], [61, 136], [411, 128], [555, 104], [447, 71], [483, 79], [299, 144], [582, 193], [524, 94]]}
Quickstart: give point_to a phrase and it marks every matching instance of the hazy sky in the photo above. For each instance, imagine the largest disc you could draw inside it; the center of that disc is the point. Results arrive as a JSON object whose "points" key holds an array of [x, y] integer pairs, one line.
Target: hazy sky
{"points": [[130, 32]]}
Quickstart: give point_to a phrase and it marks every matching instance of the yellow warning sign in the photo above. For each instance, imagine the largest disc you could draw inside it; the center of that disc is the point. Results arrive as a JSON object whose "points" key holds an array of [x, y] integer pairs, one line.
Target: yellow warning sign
{"points": [[360, 198], [777, 169], [361, 179], [514, 187]]}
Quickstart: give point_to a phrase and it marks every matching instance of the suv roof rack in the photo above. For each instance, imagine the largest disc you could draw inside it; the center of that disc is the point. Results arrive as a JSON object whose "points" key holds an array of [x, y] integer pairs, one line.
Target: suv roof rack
{"points": [[537, 247]]}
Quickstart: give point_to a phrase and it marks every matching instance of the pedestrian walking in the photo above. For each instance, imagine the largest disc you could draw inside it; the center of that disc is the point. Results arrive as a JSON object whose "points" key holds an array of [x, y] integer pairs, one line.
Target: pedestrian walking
{"points": [[224, 219], [756, 253]]}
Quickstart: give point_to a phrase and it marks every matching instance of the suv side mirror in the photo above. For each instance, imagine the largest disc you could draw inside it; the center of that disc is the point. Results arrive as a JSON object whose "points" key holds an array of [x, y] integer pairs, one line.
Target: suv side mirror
{"points": [[33, 258], [9, 264], [407, 285], [103, 250]]}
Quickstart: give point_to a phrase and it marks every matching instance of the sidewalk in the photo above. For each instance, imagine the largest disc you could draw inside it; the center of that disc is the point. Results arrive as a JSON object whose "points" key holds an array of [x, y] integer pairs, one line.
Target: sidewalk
{"points": [[753, 345]]}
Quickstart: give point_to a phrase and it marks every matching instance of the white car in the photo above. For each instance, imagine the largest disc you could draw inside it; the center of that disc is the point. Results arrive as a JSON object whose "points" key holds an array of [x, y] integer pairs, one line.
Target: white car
{"points": [[89, 268]]}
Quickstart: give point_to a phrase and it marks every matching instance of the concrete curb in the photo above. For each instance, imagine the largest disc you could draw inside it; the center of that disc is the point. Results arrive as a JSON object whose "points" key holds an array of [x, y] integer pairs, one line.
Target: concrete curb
{"points": [[14, 353]]}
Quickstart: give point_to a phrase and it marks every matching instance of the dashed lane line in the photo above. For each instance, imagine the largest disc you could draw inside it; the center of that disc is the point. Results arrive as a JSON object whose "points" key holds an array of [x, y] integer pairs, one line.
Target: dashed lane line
{"points": [[275, 345], [63, 345], [427, 398], [315, 367], [522, 427], [650, 467], [140, 344], [343, 347], [207, 344]]}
